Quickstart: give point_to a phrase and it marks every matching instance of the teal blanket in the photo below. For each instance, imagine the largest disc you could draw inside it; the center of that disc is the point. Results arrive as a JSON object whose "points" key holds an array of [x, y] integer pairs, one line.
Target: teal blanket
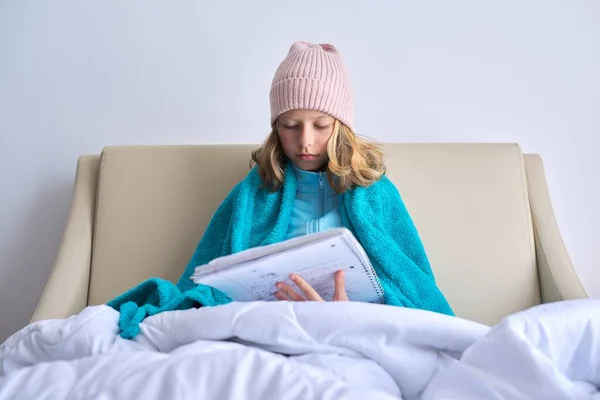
{"points": [[252, 216]]}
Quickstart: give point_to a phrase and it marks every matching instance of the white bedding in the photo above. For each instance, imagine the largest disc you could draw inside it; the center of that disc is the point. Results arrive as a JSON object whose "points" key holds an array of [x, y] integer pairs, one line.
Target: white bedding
{"points": [[308, 350]]}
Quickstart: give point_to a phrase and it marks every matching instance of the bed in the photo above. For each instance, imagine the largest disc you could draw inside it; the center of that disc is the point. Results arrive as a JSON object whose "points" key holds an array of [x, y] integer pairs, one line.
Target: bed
{"points": [[524, 325]]}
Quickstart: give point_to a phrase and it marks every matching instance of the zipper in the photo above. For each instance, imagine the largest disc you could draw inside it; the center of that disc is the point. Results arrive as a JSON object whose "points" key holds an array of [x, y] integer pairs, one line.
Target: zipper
{"points": [[322, 193]]}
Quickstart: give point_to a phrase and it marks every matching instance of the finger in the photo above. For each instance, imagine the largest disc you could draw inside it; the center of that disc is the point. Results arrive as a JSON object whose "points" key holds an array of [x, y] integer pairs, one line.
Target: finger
{"points": [[289, 292], [340, 287], [281, 296], [309, 292]]}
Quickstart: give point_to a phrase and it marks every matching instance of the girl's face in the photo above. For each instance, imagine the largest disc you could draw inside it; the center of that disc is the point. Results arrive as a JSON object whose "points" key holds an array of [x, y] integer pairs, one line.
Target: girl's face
{"points": [[304, 135]]}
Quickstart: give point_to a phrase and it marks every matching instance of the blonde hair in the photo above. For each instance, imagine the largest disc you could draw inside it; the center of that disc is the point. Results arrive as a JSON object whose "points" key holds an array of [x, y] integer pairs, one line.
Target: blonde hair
{"points": [[352, 160]]}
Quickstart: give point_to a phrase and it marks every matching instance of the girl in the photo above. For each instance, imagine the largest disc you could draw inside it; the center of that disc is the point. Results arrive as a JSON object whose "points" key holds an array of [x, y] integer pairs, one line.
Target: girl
{"points": [[314, 173]]}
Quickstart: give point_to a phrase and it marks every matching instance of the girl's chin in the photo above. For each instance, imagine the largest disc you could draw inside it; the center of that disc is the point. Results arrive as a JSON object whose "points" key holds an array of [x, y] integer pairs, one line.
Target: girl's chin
{"points": [[309, 165]]}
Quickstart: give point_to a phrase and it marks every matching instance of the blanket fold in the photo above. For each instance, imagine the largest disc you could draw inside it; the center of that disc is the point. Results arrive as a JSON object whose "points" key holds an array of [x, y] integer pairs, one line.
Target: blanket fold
{"points": [[252, 216], [156, 295]]}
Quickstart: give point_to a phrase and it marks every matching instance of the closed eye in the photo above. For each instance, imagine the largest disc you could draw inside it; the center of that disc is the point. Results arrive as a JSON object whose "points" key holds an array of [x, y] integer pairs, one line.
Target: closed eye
{"points": [[323, 127]]}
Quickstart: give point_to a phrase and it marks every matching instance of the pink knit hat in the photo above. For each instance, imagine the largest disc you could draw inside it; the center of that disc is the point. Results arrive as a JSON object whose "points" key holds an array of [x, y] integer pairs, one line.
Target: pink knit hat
{"points": [[313, 77]]}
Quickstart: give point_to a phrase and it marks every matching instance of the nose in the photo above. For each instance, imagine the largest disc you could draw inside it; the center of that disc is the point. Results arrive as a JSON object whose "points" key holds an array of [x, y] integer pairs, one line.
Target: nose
{"points": [[307, 137]]}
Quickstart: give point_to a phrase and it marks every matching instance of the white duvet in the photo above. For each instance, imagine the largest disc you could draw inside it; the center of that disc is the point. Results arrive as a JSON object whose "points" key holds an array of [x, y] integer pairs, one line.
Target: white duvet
{"points": [[284, 350]]}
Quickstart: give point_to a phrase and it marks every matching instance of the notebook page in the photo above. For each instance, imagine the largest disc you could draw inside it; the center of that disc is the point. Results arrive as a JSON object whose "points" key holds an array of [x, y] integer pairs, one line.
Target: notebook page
{"points": [[255, 280], [234, 260]]}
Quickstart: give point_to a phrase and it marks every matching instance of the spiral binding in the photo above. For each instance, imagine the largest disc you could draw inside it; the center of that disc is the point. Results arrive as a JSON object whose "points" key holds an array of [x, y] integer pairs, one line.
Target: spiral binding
{"points": [[367, 266], [376, 283]]}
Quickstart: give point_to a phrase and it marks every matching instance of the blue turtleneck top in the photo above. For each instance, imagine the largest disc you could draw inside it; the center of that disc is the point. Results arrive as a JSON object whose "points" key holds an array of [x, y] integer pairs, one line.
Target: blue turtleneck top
{"points": [[316, 206]]}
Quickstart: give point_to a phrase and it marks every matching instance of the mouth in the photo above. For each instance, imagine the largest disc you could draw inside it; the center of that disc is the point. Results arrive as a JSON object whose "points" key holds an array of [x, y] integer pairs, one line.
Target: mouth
{"points": [[306, 156]]}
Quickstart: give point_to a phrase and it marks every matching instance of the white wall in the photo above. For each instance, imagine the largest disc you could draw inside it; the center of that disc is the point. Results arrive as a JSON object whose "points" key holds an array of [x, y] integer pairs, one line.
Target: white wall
{"points": [[77, 76]]}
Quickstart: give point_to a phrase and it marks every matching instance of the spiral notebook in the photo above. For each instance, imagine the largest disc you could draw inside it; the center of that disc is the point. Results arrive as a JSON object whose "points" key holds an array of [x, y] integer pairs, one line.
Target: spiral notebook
{"points": [[251, 275]]}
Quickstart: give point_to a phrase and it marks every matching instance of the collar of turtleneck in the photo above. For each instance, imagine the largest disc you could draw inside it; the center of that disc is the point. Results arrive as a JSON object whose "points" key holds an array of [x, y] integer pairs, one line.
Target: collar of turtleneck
{"points": [[311, 182]]}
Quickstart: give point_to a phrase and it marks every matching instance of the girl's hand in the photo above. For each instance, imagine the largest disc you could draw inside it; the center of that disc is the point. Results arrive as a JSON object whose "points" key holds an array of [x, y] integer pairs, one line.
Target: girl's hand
{"points": [[286, 292]]}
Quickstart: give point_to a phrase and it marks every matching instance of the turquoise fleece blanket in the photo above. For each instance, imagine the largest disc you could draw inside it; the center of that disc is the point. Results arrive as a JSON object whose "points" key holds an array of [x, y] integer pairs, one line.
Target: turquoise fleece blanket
{"points": [[252, 216]]}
